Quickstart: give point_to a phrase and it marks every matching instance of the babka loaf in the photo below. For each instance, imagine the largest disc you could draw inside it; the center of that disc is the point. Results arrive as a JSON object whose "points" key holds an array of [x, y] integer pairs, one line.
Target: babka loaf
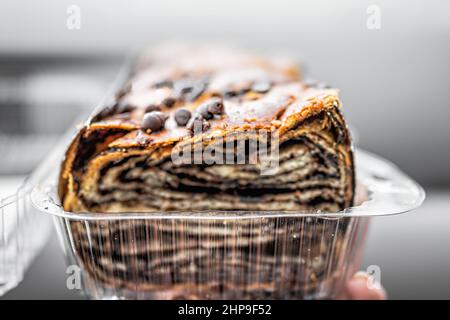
{"points": [[212, 130], [207, 130]]}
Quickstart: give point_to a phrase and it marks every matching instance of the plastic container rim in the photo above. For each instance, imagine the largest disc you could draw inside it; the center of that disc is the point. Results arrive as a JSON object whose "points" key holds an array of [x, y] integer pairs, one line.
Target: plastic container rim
{"points": [[44, 198]]}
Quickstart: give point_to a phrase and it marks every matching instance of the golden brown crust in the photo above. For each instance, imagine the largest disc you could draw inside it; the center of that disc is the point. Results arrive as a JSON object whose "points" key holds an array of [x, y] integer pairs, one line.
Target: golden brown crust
{"points": [[117, 164], [289, 108]]}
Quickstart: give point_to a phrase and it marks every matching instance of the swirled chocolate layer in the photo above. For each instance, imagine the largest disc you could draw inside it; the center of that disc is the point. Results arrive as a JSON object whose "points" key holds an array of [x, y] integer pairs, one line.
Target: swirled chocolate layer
{"points": [[123, 159], [186, 133]]}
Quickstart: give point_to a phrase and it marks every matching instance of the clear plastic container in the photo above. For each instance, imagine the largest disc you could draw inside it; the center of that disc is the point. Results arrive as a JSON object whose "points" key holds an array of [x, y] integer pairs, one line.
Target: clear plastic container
{"points": [[203, 255], [23, 233]]}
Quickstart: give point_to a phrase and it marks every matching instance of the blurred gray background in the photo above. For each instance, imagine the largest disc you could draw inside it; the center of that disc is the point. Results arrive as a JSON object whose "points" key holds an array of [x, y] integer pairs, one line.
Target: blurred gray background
{"points": [[394, 83]]}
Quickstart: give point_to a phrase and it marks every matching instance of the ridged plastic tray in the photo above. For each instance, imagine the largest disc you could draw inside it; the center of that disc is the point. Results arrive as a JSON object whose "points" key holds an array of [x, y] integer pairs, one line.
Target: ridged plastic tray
{"points": [[220, 254]]}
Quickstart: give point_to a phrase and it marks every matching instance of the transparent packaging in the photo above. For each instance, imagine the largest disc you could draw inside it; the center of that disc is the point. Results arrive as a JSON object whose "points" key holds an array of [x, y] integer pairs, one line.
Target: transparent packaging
{"points": [[209, 255], [201, 255], [23, 233]]}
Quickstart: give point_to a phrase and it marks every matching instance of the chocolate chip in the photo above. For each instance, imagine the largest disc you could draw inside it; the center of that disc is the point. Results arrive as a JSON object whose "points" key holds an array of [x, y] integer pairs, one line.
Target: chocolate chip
{"points": [[169, 102], [183, 86], [189, 89], [152, 107], [154, 120], [230, 94], [215, 106], [180, 89], [204, 112], [198, 124], [243, 91], [195, 121], [211, 107], [261, 86], [164, 83], [185, 90], [182, 116]]}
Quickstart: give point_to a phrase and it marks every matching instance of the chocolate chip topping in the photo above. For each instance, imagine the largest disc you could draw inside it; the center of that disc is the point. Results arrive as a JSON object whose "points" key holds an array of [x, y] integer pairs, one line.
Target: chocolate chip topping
{"points": [[211, 107], [183, 86], [189, 89], [261, 86], [154, 121], [164, 83], [169, 102], [152, 107], [182, 116], [215, 106], [204, 112], [243, 91], [229, 93], [198, 124]]}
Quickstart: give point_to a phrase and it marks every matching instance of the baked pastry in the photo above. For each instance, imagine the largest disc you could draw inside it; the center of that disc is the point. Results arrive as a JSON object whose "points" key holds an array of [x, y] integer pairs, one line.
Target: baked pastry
{"points": [[117, 163], [178, 137]]}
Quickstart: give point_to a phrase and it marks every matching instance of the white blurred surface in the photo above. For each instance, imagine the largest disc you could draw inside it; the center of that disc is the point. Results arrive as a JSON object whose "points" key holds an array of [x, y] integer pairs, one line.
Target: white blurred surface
{"points": [[112, 25], [9, 185], [412, 250]]}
